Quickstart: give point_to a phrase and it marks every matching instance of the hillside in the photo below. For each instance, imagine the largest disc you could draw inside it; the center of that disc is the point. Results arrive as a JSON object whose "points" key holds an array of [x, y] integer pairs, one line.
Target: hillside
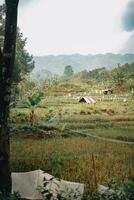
{"points": [[56, 64]]}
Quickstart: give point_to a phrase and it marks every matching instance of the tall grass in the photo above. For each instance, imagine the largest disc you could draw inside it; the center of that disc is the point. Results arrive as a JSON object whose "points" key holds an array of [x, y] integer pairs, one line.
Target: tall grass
{"points": [[71, 159]]}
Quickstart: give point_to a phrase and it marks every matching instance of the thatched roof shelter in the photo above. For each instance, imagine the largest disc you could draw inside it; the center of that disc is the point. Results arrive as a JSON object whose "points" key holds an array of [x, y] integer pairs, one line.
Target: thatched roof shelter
{"points": [[89, 100]]}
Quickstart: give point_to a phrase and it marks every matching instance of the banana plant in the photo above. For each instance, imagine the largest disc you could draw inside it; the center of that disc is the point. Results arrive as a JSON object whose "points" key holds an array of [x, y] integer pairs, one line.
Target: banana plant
{"points": [[33, 101]]}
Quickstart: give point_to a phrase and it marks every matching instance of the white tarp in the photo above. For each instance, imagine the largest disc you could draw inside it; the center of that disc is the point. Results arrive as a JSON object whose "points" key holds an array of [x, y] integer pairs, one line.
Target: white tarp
{"points": [[103, 189], [30, 184]]}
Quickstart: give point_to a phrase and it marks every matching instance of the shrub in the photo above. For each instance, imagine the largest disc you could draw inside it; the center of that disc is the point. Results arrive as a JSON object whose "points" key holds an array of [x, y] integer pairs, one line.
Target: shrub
{"points": [[14, 196], [126, 192]]}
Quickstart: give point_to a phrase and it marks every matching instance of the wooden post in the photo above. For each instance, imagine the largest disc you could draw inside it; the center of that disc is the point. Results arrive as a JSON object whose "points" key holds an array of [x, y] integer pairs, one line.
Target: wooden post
{"points": [[94, 171]]}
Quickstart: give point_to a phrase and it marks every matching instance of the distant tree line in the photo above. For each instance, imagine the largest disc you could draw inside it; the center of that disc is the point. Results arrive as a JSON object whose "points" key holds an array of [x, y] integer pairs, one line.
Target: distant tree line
{"points": [[120, 77]]}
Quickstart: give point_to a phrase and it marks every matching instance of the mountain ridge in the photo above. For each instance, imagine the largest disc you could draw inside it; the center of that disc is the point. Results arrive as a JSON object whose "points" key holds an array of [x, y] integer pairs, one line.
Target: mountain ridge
{"points": [[55, 64]]}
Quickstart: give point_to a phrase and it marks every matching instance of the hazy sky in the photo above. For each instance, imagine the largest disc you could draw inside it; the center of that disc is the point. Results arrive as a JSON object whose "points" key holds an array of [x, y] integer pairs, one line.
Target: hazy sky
{"points": [[75, 26]]}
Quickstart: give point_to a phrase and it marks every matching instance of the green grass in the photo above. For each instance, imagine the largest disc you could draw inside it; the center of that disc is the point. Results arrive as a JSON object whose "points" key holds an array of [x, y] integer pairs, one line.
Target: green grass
{"points": [[107, 118], [120, 133], [70, 158]]}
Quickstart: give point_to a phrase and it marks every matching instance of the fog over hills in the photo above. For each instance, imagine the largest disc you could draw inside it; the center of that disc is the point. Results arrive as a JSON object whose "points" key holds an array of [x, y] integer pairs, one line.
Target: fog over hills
{"points": [[55, 64]]}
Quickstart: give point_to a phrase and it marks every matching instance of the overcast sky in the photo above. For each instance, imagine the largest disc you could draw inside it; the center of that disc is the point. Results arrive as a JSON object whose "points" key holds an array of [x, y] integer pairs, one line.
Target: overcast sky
{"points": [[75, 26]]}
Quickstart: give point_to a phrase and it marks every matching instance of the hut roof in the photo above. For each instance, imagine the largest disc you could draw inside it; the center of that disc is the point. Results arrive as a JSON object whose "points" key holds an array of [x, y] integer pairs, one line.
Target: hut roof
{"points": [[87, 100], [107, 91]]}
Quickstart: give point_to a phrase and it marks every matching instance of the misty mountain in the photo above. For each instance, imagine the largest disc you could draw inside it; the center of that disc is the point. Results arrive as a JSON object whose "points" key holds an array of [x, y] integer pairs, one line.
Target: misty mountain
{"points": [[56, 64]]}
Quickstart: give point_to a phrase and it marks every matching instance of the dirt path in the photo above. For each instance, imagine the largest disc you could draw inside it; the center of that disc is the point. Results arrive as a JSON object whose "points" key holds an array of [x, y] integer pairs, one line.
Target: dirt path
{"points": [[104, 139]]}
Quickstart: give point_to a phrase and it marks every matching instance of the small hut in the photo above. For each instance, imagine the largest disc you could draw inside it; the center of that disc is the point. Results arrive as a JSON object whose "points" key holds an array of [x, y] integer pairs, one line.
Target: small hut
{"points": [[107, 91], [89, 100]]}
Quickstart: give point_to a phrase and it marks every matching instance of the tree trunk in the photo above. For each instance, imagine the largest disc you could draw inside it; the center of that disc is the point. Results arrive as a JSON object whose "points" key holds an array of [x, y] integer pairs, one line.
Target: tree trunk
{"points": [[32, 118], [7, 58]]}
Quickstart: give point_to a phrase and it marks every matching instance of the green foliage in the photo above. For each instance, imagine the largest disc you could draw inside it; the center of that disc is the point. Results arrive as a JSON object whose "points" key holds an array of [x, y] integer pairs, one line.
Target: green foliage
{"points": [[23, 61], [121, 77], [126, 192], [68, 71], [100, 74], [35, 99], [49, 114], [128, 69], [128, 189], [14, 196], [118, 76]]}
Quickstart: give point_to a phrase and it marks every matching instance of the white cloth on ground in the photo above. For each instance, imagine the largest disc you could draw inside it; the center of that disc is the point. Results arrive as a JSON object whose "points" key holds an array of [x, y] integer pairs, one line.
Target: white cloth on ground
{"points": [[30, 184]]}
